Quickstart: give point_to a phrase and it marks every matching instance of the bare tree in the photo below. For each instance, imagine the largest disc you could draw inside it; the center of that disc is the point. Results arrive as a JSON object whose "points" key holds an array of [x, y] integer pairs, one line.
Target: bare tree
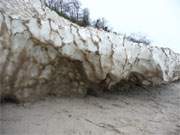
{"points": [[67, 8], [77, 5], [72, 8], [86, 17], [60, 5]]}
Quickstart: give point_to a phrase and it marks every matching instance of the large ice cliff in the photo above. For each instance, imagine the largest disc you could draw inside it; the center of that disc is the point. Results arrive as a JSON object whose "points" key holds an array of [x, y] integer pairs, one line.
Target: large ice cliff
{"points": [[41, 53]]}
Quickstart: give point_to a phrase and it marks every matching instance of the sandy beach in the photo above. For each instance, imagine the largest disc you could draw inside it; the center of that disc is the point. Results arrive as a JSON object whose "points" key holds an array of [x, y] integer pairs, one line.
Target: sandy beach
{"points": [[137, 111]]}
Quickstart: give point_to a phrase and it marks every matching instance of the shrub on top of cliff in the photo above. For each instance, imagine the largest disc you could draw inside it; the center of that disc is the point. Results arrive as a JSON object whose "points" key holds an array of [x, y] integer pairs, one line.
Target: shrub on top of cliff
{"points": [[101, 23], [139, 38]]}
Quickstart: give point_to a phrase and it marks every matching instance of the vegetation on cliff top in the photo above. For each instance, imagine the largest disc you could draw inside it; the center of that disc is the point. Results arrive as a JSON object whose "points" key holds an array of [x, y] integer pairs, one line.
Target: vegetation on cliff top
{"points": [[72, 10]]}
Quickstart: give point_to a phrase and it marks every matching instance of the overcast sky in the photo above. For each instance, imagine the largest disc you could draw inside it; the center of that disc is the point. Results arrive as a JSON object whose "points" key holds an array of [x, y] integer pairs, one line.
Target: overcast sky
{"points": [[159, 19]]}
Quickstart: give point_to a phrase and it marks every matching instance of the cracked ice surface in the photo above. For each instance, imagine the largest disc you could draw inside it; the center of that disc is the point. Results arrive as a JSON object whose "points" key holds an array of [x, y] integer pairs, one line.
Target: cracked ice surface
{"points": [[42, 53]]}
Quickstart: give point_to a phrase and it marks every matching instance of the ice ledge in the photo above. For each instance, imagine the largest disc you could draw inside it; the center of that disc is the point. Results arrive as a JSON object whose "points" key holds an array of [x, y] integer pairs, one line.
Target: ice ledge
{"points": [[42, 53]]}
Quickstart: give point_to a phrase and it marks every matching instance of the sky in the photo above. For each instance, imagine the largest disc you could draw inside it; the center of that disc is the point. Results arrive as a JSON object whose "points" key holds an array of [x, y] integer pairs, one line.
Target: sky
{"points": [[158, 19]]}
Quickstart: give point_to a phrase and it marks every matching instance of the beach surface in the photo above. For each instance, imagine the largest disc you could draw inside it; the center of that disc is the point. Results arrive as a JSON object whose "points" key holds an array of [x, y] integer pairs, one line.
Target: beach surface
{"points": [[136, 111]]}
